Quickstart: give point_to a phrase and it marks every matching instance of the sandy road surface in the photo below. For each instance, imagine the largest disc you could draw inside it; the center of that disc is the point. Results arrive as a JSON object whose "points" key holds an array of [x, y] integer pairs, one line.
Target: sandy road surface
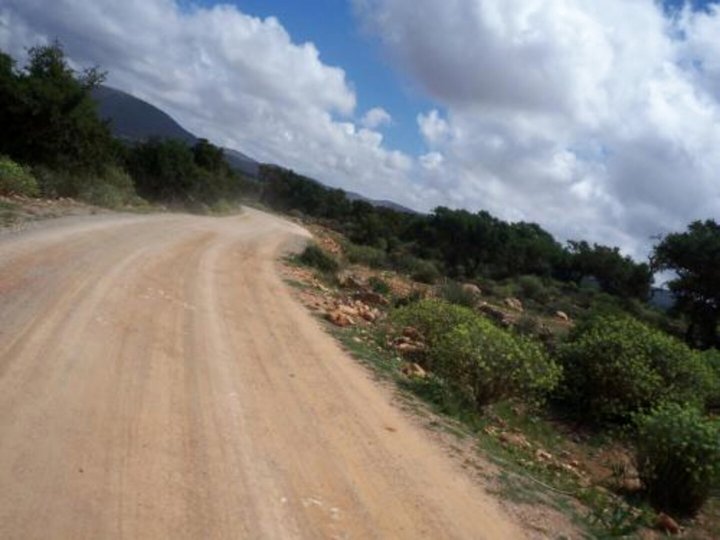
{"points": [[158, 381]]}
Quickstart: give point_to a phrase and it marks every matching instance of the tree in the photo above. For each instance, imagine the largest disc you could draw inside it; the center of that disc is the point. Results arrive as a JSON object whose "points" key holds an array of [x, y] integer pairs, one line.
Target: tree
{"points": [[615, 273], [48, 115], [694, 255]]}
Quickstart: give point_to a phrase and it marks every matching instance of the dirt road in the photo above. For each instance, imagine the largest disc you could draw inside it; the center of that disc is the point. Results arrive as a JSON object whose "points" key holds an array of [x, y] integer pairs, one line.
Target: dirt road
{"points": [[158, 381]]}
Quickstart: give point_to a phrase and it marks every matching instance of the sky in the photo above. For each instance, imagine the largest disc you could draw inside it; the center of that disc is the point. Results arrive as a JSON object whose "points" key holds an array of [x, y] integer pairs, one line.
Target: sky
{"points": [[597, 119]]}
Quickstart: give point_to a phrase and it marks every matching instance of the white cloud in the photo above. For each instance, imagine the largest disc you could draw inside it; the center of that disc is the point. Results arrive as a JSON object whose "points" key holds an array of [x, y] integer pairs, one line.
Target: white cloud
{"points": [[376, 117], [433, 128], [238, 80], [432, 160], [598, 119]]}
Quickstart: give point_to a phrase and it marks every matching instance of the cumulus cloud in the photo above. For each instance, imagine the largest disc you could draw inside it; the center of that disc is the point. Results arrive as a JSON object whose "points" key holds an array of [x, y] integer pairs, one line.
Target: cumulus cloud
{"points": [[596, 119], [376, 117], [238, 80]]}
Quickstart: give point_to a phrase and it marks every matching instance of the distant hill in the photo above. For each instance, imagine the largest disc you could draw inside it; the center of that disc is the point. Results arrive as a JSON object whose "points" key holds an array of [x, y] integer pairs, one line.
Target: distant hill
{"points": [[136, 120], [380, 202], [132, 119]]}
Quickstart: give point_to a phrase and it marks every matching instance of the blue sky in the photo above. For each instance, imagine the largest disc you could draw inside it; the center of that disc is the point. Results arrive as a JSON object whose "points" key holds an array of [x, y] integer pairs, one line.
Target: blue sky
{"points": [[333, 28]]}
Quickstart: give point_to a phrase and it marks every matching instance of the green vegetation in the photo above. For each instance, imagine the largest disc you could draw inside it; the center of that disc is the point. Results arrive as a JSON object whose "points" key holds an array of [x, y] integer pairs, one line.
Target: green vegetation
{"points": [[482, 362], [695, 256], [456, 293], [367, 255], [313, 255], [16, 179], [678, 457], [378, 285], [50, 124], [458, 243], [616, 366]]}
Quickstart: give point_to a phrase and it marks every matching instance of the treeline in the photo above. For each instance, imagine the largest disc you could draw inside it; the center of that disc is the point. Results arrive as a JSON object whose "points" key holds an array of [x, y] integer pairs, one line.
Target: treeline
{"points": [[462, 244], [51, 126]]}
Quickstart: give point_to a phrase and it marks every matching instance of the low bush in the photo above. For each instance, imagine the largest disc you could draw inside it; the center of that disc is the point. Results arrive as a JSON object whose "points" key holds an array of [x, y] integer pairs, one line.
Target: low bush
{"points": [[367, 255], [678, 457], [113, 189], [313, 255], [488, 364], [421, 270], [483, 363], [16, 179], [432, 318], [616, 366], [379, 285], [425, 272], [711, 359], [527, 325], [456, 293], [533, 288]]}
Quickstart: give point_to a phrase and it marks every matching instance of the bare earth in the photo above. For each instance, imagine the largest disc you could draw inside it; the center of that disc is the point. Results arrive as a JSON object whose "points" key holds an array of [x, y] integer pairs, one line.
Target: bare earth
{"points": [[158, 381]]}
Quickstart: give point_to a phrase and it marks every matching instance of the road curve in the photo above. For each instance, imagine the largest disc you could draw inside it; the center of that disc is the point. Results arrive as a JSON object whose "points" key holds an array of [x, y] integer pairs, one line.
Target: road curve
{"points": [[157, 380]]}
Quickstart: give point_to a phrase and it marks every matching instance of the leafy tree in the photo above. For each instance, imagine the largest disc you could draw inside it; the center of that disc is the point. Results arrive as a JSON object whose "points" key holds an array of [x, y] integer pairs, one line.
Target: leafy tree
{"points": [[694, 255], [615, 273], [164, 170], [48, 115]]}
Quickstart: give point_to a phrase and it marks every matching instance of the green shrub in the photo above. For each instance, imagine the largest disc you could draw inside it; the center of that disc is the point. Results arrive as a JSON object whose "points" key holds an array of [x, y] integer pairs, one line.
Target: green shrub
{"points": [[483, 363], [16, 179], [315, 256], [425, 272], [113, 189], [527, 325], [615, 366], [367, 255], [378, 285], [678, 457], [432, 318], [488, 364], [711, 359], [456, 293], [419, 269], [533, 288]]}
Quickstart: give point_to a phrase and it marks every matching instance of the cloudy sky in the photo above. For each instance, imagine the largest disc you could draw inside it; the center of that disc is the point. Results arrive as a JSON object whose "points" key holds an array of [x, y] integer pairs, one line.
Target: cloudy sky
{"points": [[598, 119]]}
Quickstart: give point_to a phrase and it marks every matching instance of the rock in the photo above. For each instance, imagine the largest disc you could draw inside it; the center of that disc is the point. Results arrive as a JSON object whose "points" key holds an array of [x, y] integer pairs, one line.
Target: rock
{"points": [[471, 288], [491, 311], [667, 524], [411, 369], [562, 316], [631, 485], [340, 319], [542, 455], [514, 303], [409, 348], [514, 439], [347, 310], [349, 281], [413, 333], [371, 297], [368, 315]]}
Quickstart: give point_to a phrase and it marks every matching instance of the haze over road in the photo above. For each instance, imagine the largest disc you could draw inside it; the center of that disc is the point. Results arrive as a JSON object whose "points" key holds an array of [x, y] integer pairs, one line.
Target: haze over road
{"points": [[157, 380]]}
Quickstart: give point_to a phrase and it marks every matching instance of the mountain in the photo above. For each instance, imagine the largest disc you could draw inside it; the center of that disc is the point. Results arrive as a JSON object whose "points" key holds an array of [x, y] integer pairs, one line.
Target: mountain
{"points": [[380, 202], [241, 162], [132, 119]]}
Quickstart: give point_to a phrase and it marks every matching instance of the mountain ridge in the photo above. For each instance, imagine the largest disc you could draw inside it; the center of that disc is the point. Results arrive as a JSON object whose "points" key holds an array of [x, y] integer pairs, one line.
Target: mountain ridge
{"points": [[133, 120]]}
